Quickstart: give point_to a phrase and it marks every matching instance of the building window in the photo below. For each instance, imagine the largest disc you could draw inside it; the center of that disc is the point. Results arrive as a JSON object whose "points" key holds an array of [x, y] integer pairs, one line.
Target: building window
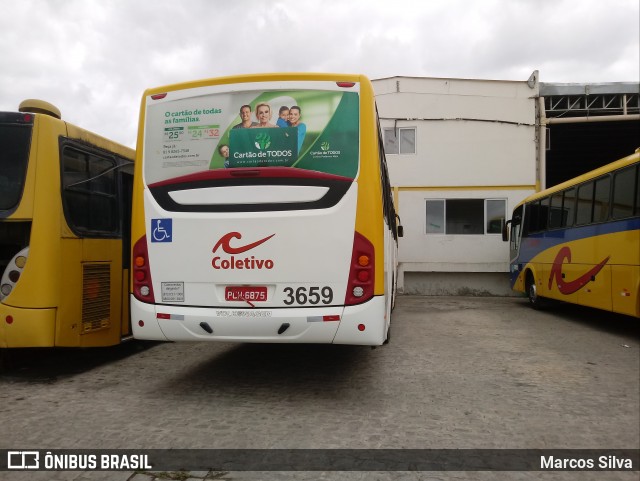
{"points": [[465, 216], [400, 141], [435, 217]]}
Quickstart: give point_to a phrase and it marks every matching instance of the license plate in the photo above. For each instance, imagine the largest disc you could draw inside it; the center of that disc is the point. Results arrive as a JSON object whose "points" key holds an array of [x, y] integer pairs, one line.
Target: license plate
{"points": [[245, 293]]}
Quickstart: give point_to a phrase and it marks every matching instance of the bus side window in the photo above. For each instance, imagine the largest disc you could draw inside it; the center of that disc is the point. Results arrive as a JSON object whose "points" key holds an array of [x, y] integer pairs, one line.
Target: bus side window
{"points": [[623, 193], [516, 228], [555, 212], [543, 218], [601, 199], [389, 209], [90, 194], [569, 207], [515, 235], [531, 218], [585, 204]]}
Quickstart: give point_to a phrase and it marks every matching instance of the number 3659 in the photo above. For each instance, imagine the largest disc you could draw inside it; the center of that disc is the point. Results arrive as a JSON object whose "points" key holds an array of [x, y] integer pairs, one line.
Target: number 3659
{"points": [[311, 295]]}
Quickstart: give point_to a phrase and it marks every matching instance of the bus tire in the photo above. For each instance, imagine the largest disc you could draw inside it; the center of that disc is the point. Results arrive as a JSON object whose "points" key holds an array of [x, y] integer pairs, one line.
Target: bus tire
{"points": [[393, 293], [535, 300], [4, 359]]}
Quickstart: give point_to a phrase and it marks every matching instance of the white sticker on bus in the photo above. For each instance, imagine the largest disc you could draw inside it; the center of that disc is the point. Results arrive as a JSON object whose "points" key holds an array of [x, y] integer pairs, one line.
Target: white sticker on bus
{"points": [[172, 291]]}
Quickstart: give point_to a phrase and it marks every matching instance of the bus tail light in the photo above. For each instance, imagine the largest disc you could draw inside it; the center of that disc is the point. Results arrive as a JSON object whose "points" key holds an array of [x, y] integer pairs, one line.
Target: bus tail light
{"points": [[361, 271], [142, 286], [12, 272]]}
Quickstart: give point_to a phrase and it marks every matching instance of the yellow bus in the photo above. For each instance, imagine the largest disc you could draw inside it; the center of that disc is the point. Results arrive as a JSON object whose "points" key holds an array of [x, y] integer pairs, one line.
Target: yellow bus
{"points": [[65, 210], [579, 241], [263, 212]]}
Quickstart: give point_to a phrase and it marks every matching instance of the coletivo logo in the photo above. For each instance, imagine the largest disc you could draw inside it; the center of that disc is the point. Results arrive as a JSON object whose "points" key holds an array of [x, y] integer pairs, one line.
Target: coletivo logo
{"points": [[569, 287], [233, 262], [225, 243]]}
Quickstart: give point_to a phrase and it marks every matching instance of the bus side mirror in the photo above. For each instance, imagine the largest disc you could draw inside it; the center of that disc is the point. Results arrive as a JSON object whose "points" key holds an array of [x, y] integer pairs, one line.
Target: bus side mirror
{"points": [[505, 231], [400, 229]]}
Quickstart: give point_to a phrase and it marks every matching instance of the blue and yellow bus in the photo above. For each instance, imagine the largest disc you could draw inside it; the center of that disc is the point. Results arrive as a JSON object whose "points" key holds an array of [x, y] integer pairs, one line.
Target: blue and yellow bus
{"points": [[579, 241]]}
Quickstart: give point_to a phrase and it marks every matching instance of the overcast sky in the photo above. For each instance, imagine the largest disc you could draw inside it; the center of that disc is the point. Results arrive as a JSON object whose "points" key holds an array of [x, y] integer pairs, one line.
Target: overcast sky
{"points": [[94, 58]]}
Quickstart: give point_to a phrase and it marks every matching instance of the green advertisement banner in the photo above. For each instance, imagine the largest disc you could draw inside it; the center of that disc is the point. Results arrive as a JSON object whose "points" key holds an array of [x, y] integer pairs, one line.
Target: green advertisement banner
{"points": [[326, 139], [311, 129], [263, 147]]}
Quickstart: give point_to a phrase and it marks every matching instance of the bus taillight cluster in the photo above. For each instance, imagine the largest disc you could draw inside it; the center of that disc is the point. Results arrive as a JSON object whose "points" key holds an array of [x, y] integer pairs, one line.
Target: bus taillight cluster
{"points": [[361, 272], [142, 286], [13, 271]]}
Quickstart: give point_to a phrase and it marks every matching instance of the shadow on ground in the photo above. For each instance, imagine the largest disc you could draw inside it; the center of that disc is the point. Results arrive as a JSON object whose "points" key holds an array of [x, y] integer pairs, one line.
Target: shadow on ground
{"points": [[49, 364]]}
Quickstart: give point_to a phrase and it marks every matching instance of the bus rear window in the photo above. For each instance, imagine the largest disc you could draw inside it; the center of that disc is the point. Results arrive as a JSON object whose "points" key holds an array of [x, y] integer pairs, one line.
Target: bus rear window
{"points": [[15, 140], [191, 132]]}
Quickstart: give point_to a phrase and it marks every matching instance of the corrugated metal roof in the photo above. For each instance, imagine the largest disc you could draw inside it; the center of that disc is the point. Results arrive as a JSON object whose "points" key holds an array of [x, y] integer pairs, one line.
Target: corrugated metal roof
{"points": [[547, 89]]}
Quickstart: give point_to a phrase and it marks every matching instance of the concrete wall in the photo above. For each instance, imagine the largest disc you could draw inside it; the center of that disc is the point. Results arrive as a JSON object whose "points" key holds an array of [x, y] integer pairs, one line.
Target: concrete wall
{"points": [[419, 251], [477, 284]]}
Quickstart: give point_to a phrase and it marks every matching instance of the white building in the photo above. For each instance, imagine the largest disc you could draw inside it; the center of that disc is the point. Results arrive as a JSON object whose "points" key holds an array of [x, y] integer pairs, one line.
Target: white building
{"points": [[461, 155]]}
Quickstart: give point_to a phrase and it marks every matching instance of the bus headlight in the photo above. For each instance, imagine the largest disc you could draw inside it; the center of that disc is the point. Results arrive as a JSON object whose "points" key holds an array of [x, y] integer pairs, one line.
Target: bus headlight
{"points": [[12, 272], [21, 261]]}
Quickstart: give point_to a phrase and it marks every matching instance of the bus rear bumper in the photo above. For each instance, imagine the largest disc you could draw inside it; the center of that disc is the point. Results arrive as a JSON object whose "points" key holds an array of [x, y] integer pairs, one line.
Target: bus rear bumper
{"points": [[363, 324], [21, 327], [144, 321], [292, 325]]}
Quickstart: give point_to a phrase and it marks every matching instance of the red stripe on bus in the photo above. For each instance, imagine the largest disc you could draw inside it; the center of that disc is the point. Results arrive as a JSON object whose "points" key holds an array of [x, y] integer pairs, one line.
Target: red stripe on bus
{"points": [[262, 172]]}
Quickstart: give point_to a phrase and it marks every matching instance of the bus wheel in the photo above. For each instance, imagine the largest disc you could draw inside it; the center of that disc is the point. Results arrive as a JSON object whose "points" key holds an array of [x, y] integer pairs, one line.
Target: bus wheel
{"points": [[4, 359], [535, 300]]}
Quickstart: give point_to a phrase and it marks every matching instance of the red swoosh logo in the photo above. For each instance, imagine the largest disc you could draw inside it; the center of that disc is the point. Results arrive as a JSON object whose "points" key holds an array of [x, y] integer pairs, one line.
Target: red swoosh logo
{"points": [[571, 286], [225, 239]]}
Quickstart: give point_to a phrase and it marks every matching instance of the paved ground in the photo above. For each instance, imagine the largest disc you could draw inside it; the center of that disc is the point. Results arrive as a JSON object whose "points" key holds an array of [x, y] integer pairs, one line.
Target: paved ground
{"points": [[458, 373]]}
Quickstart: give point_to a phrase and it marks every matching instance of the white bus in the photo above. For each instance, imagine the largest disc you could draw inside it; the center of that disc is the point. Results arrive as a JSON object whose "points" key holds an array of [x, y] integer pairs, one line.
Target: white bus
{"points": [[263, 212]]}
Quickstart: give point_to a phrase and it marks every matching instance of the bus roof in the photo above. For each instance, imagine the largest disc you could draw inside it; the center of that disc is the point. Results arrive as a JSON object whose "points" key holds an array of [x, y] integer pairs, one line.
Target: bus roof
{"points": [[630, 159], [75, 132], [262, 77], [42, 108]]}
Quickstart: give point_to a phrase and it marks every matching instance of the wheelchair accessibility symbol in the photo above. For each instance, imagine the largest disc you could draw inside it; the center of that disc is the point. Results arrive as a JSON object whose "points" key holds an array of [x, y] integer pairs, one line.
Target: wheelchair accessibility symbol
{"points": [[161, 230]]}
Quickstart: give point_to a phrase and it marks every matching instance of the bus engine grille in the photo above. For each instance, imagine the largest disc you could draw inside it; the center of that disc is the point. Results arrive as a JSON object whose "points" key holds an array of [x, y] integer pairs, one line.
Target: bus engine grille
{"points": [[96, 297]]}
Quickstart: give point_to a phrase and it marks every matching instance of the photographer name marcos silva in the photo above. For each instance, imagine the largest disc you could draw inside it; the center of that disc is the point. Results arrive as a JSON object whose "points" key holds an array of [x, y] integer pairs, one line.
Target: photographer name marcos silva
{"points": [[609, 463]]}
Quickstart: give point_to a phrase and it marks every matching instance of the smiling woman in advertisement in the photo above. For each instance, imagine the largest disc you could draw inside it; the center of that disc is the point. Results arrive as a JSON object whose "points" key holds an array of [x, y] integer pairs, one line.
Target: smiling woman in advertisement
{"points": [[263, 114]]}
